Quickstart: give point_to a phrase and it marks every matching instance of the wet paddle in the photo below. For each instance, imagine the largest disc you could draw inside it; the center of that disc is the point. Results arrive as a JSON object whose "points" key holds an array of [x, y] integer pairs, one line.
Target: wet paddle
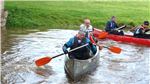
{"points": [[111, 48], [114, 49], [102, 35], [45, 60]]}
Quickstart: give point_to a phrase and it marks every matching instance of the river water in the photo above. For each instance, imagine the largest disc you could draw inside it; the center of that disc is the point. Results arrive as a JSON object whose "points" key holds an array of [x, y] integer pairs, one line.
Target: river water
{"points": [[21, 50]]}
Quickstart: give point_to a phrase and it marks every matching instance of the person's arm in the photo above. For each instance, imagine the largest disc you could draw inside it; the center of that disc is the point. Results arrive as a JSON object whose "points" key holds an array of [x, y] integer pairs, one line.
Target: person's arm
{"points": [[141, 31], [67, 45], [147, 30], [91, 28], [108, 26], [93, 47], [116, 26], [82, 28], [132, 29]]}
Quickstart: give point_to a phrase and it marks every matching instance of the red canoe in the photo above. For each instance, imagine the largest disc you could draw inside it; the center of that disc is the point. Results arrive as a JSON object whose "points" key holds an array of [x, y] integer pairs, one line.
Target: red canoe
{"points": [[125, 38]]}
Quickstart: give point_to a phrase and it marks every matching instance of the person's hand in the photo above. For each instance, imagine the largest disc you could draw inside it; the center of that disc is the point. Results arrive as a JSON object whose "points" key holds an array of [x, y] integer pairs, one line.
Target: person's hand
{"points": [[65, 51], [100, 47], [124, 26], [91, 33], [147, 30]]}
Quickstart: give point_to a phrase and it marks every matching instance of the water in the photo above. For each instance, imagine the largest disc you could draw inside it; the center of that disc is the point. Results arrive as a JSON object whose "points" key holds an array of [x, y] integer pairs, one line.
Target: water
{"points": [[129, 67]]}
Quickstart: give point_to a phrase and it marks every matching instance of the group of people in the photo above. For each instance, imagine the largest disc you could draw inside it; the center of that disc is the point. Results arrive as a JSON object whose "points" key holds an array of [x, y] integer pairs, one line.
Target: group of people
{"points": [[138, 31], [82, 38], [85, 34]]}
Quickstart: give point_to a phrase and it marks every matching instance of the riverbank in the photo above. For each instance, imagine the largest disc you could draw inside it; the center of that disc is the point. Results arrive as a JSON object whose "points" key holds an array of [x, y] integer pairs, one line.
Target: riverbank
{"points": [[70, 14]]}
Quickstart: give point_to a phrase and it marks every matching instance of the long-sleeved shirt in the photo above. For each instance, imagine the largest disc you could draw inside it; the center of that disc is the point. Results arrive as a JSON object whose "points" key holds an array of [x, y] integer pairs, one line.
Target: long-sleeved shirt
{"points": [[111, 25], [71, 42], [86, 29]]}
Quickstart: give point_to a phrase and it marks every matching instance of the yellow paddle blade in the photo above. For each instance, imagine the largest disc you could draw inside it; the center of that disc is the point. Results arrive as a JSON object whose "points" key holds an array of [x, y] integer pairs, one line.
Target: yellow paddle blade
{"points": [[43, 61], [102, 35], [115, 49]]}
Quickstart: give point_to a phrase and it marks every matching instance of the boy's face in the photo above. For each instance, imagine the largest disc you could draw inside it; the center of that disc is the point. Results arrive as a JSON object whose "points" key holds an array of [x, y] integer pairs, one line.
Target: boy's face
{"points": [[81, 36], [87, 22]]}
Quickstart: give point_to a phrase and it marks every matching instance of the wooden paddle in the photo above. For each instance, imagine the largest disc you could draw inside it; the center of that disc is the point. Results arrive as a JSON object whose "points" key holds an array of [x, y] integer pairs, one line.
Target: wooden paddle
{"points": [[45, 60]]}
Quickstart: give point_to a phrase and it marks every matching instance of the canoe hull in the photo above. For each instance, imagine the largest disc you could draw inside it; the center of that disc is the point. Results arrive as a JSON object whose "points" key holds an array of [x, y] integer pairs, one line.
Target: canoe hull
{"points": [[77, 69], [125, 38]]}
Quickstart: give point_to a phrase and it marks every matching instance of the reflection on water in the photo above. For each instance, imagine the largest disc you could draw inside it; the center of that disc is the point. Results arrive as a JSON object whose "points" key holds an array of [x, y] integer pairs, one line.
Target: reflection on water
{"points": [[129, 67]]}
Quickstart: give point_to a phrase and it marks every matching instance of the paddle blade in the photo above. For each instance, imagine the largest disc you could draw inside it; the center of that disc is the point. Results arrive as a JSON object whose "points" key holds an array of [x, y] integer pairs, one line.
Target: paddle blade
{"points": [[115, 49], [102, 35], [43, 61]]}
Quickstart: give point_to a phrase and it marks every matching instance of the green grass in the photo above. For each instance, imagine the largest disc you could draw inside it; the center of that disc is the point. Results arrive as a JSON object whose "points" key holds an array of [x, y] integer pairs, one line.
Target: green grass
{"points": [[70, 14]]}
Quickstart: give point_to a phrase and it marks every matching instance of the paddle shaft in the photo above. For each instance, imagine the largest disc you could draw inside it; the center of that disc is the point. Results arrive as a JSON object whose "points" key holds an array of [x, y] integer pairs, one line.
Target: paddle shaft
{"points": [[120, 27], [103, 46], [71, 50], [106, 47]]}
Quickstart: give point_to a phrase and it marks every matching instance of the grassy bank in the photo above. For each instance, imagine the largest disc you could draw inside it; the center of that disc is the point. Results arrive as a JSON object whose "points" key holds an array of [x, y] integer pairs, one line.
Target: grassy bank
{"points": [[70, 14]]}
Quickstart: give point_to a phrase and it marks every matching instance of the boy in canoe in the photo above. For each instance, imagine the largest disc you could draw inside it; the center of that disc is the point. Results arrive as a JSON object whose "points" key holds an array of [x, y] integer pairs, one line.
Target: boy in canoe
{"points": [[88, 29], [79, 40], [140, 31], [112, 27]]}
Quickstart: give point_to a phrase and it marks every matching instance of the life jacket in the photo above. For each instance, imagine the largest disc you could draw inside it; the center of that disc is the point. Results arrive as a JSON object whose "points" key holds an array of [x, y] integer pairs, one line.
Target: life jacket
{"points": [[139, 30], [82, 53]]}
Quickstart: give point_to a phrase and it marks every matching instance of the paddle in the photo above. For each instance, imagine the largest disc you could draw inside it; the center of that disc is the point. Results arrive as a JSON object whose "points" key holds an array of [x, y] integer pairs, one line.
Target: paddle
{"points": [[120, 28], [102, 35], [114, 49], [45, 60], [111, 48]]}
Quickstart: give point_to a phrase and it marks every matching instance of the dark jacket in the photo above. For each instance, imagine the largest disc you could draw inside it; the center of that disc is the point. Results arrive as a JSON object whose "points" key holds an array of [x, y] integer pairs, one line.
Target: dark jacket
{"points": [[139, 30], [82, 53], [111, 25]]}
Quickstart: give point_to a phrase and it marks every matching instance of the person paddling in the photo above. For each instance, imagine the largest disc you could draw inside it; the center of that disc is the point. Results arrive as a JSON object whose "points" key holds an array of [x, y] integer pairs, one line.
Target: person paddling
{"points": [[111, 27], [88, 29], [79, 40], [140, 31]]}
